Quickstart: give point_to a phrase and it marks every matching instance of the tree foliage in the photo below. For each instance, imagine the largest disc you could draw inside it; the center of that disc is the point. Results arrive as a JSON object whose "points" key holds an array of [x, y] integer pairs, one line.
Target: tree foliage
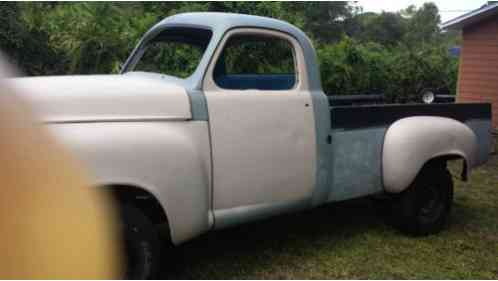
{"points": [[396, 53], [28, 48]]}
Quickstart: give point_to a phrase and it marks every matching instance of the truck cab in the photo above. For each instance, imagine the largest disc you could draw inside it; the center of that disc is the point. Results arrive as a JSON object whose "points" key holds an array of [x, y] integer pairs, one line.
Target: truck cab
{"points": [[257, 83]]}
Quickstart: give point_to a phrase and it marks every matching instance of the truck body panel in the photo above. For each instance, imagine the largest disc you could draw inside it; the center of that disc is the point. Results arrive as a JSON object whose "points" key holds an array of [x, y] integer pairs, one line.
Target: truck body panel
{"points": [[358, 137], [411, 141], [260, 140], [91, 98], [170, 160]]}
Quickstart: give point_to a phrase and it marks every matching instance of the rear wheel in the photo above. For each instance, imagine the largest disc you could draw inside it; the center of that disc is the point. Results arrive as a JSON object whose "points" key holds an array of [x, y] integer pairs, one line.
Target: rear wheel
{"points": [[141, 244], [425, 206]]}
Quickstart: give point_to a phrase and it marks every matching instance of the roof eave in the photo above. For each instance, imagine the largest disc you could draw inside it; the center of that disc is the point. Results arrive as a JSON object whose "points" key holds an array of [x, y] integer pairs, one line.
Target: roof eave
{"points": [[471, 17]]}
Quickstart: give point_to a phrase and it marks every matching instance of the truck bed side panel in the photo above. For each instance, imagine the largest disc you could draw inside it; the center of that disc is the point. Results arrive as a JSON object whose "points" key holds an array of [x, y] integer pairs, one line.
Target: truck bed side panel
{"points": [[356, 162], [358, 136]]}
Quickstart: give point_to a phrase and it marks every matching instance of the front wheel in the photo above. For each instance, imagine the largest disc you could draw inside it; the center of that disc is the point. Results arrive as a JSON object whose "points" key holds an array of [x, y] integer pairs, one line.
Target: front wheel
{"points": [[425, 206], [141, 244]]}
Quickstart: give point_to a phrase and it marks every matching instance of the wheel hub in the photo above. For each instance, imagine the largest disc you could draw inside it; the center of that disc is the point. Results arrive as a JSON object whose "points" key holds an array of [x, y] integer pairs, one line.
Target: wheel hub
{"points": [[431, 206]]}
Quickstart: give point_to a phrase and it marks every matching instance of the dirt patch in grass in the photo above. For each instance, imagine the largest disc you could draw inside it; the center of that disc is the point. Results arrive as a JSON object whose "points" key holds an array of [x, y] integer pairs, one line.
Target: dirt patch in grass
{"points": [[349, 241]]}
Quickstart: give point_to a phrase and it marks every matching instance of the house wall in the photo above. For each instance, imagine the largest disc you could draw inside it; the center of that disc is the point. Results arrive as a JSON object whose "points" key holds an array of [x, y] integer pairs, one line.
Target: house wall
{"points": [[478, 74]]}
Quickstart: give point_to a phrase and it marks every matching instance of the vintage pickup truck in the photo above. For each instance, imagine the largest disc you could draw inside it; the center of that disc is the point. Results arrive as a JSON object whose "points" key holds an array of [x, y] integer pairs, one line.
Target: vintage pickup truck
{"points": [[220, 119]]}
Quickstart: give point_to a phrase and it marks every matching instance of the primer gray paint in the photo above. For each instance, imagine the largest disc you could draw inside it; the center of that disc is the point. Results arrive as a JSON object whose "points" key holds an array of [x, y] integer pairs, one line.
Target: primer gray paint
{"points": [[482, 129], [357, 163]]}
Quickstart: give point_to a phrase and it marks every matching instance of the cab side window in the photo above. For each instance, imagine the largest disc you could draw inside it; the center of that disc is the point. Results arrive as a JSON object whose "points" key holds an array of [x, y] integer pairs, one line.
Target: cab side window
{"points": [[256, 62]]}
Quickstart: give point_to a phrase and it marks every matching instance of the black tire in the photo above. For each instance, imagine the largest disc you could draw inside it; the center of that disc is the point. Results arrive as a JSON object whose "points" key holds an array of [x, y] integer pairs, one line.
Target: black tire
{"points": [[424, 208], [141, 244]]}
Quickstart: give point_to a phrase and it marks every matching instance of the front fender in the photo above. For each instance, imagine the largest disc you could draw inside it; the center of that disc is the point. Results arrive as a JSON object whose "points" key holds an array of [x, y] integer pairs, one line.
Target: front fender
{"points": [[411, 142], [170, 160]]}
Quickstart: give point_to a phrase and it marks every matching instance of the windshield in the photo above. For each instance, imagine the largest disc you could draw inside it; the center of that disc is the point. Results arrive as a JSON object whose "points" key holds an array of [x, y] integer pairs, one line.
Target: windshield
{"points": [[175, 51]]}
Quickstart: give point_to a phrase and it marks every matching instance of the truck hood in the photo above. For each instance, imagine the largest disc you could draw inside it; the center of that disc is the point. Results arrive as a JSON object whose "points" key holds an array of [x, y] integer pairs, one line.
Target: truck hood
{"points": [[93, 98]]}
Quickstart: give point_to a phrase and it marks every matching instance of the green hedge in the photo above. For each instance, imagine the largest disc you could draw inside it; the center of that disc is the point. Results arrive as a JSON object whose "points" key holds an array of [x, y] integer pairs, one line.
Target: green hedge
{"points": [[397, 54], [350, 67]]}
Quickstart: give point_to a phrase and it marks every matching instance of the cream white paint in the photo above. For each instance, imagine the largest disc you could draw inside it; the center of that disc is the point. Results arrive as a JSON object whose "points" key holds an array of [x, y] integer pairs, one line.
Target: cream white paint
{"points": [[168, 159], [411, 142], [263, 142], [104, 98]]}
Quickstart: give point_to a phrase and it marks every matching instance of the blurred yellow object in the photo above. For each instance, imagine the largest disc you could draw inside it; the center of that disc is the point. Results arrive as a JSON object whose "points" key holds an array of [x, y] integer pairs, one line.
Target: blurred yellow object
{"points": [[52, 225]]}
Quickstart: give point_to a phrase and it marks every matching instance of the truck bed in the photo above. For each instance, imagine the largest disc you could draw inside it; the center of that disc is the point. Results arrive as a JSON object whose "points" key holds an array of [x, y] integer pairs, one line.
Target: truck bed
{"points": [[358, 136]]}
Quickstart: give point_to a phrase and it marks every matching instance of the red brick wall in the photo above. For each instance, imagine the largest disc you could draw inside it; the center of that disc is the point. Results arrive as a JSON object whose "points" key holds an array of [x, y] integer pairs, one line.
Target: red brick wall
{"points": [[478, 73]]}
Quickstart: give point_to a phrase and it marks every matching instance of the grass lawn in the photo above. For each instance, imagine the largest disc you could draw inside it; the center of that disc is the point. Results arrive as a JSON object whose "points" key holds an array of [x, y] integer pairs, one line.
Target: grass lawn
{"points": [[348, 240]]}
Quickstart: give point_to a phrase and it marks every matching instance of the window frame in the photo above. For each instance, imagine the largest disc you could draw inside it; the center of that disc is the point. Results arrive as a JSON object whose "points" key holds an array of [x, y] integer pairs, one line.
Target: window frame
{"points": [[138, 52], [298, 58]]}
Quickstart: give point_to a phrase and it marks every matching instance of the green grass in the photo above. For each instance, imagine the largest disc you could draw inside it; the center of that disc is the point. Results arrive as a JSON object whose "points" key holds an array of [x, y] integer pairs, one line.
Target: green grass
{"points": [[349, 241]]}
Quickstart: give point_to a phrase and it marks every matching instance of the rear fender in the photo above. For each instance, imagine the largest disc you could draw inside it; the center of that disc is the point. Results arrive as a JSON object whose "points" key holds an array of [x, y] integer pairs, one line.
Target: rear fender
{"points": [[411, 142]]}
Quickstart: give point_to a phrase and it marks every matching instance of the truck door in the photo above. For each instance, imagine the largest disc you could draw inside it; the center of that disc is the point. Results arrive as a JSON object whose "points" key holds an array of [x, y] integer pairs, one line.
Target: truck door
{"points": [[262, 126]]}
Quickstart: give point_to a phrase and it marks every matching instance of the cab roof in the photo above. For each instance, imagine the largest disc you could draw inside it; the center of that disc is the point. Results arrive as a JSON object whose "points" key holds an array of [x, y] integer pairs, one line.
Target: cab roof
{"points": [[223, 21], [219, 24]]}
